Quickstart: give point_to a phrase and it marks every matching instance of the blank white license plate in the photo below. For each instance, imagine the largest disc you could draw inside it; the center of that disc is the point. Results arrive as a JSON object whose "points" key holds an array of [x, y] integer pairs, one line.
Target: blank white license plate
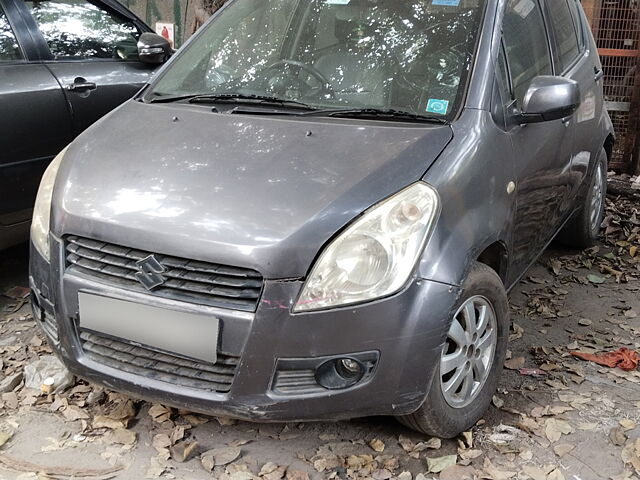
{"points": [[182, 333]]}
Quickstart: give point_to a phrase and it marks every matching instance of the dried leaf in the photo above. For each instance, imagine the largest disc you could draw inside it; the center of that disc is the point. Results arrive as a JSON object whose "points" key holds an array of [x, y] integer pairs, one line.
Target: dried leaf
{"points": [[377, 445], [495, 473], [223, 455], [585, 322], [4, 438], [535, 473], [181, 451], [73, 413], [627, 424], [617, 436], [457, 472], [555, 475], [595, 279], [123, 436], [159, 413], [514, 363], [563, 448], [433, 443], [560, 409], [271, 471], [161, 442], [102, 421], [554, 429], [438, 464], [297, 475]]}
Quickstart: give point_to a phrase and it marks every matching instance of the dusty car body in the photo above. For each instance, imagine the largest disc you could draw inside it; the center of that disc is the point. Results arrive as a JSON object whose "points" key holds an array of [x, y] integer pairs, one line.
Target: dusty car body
{"points": [[63, 65], [301, 254]]}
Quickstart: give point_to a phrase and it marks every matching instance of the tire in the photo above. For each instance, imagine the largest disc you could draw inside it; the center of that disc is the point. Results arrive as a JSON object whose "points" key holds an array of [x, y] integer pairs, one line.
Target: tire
{"points": [[583, 229], [445, 415]]}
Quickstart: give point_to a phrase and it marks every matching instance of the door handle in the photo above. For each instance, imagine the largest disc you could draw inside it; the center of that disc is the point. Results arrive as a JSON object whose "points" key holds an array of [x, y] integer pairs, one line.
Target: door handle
{"points": [[80, 85], [599, 73]]}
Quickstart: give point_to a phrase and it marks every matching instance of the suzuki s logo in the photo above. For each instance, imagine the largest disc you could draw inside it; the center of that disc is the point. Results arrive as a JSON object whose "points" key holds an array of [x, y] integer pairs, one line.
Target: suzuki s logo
{"points": [[150, 272]]}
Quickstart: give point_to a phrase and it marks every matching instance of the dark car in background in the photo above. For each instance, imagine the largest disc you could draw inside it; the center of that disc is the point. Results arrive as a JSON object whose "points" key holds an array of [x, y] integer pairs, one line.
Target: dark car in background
{"points": [[63, 65]]}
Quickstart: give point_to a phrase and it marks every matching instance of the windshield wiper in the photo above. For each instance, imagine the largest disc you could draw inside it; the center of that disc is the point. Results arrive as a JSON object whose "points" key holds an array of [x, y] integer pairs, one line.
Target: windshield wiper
{"points": [[375, 113], [248, 98], [232, 98]]}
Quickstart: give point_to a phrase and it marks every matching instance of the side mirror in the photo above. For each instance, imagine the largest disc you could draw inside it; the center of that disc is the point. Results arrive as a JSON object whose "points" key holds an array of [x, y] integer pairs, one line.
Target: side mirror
{"points": [[153, 48], [550, 98]]}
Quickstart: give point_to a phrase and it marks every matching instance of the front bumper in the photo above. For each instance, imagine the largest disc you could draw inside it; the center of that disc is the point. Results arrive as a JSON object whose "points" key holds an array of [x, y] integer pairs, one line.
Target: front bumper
{"points": [[402, 333]]}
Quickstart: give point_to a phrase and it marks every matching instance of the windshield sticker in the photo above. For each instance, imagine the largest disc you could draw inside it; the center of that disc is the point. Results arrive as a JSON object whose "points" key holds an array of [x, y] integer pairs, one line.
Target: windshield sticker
{"points": [[437, 106], [337, 2], [524, 8], [448, 3]]}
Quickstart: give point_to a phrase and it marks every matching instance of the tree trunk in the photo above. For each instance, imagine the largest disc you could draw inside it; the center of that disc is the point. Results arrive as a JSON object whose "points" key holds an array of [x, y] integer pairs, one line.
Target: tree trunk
{"points": [[199, 11]]}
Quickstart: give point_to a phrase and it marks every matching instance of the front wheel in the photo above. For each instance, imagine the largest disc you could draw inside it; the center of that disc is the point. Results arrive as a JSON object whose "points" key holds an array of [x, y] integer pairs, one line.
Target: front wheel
{"points": [[471, 359], [582, 230]]}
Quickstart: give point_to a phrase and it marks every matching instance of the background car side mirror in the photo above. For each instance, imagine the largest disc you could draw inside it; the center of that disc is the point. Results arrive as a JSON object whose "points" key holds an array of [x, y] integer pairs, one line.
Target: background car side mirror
{"points": [[550, 98], [153, 49]]}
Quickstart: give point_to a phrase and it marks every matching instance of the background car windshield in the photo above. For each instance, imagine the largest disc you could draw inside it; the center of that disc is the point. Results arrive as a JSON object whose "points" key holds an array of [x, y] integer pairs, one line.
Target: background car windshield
{"points": [[410, 56]]}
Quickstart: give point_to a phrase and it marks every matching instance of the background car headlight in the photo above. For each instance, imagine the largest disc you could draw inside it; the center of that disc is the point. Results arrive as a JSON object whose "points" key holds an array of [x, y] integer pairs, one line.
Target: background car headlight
{"points": [[42, 209], [376, 255]]}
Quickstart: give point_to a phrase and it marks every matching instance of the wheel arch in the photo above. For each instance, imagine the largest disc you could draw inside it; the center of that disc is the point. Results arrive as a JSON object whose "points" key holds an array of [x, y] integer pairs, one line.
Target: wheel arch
{"points": [[608, 145], [496, 256]]}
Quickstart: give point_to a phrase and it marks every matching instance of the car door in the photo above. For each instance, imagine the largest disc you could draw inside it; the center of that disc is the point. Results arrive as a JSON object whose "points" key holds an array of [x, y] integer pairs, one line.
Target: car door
{"points": [[575, 62], [542, 151], [34, 119], [91, 48]]}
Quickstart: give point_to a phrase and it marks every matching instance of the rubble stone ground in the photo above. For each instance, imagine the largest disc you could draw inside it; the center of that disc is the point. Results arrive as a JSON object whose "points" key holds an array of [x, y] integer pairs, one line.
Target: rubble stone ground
{"points": [[554, 416]]}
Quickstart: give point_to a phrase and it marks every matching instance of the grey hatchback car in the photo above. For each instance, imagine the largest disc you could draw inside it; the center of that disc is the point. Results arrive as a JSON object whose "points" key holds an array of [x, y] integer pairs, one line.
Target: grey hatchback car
{"points": [[317, 208]]}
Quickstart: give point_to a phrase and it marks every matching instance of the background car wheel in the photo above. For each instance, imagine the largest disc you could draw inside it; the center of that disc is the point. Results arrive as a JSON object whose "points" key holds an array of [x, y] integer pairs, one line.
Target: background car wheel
{"points": [[582, 230], [471, 360]]}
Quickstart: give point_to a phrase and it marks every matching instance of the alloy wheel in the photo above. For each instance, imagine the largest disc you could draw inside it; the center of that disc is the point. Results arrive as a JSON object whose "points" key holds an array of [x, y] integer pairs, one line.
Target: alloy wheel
{"points": [[468, 353]]}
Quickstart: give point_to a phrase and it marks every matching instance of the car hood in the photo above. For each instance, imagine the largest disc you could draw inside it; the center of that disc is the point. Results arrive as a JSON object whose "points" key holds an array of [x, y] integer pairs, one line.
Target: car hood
{"points": [[254, 191]]}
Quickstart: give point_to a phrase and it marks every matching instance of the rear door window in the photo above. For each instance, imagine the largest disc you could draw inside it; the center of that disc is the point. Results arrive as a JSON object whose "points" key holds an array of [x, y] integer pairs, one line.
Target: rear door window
{"points": [[79, 29], [565, 33], [9, 48], [526, 44]]}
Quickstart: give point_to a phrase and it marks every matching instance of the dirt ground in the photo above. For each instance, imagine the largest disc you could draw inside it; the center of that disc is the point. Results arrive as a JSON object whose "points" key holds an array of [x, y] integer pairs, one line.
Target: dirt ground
{"points": [[554, 416]]}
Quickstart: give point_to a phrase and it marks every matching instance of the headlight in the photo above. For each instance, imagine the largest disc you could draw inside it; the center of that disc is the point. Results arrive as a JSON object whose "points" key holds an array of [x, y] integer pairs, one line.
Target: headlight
{"points": [[375, 256], [42, 209]]}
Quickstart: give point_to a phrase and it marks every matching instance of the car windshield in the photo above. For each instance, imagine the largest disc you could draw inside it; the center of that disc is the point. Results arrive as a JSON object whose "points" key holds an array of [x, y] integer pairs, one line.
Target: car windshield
{"points": [[407, 56]]}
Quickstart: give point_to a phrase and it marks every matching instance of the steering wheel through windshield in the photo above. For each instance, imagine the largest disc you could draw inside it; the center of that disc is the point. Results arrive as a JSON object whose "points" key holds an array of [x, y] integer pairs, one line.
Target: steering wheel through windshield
{"points": [[323, 87]]}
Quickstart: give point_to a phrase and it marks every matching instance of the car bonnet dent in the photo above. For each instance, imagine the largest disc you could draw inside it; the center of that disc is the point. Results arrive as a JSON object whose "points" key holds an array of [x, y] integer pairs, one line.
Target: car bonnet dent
{"points": [[260, 192]]}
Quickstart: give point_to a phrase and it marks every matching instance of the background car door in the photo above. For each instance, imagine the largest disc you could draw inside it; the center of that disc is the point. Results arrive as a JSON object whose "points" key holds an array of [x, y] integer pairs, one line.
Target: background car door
{"points": [[542, 151], [573, 61], [91, 48], [34, 119]]}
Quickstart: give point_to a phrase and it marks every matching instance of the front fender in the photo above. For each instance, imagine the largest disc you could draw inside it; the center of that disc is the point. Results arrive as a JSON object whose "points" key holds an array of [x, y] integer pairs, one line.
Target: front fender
{"points": [[471, 176]]}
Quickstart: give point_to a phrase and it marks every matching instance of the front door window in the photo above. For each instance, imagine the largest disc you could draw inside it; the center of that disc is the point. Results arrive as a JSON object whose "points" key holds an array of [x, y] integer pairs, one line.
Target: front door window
{"points": [[78, 29]]}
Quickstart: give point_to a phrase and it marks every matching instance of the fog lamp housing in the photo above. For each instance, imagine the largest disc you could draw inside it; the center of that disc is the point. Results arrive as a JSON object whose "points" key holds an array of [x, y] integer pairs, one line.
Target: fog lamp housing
{"points": [[340, 373]]}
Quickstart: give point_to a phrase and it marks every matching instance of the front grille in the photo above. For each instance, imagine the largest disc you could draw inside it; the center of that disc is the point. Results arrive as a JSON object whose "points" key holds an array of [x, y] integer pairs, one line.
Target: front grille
{"points": [[165, 367], [186, 280], [43, 312], [50, 325]]}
